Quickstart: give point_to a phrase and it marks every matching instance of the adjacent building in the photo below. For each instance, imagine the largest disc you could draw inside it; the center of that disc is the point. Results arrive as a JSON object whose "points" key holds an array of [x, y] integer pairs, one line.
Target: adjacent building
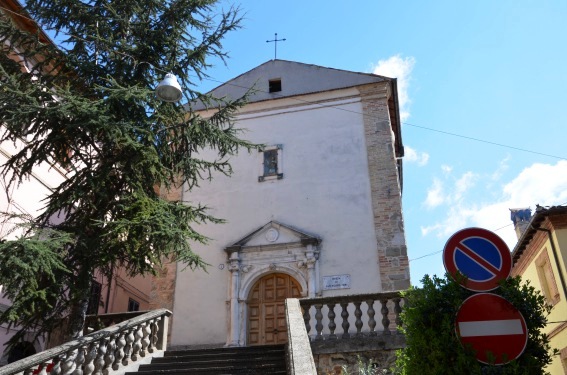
{"points": [[541, 257], [316, 212], [119, 293]]}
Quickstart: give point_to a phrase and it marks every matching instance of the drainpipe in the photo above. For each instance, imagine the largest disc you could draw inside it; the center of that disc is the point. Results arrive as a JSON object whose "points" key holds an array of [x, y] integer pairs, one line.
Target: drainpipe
{"points": [[555, 257]]}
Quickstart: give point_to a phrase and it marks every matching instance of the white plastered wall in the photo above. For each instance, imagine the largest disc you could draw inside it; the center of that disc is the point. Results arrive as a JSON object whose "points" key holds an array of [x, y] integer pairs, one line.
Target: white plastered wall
{"points": [[325, 191]]}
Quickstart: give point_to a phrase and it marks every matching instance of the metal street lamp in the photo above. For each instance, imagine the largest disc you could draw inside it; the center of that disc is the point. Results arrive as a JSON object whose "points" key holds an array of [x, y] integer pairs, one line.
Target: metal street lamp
{"points": [[169, 89]]}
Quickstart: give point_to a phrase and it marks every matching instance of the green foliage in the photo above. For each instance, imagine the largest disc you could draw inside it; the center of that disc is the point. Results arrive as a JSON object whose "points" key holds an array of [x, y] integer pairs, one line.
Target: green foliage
{"points": [[89, 105], [362, 368], [433, 346]]}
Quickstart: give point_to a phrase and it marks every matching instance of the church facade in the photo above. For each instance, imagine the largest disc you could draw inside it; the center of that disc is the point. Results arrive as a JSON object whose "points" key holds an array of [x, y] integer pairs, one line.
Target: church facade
{"points": [[316, 212]]}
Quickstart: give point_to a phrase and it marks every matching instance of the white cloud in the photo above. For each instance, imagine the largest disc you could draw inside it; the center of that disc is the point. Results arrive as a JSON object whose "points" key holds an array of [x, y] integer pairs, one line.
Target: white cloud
{"points": [[544, 184], [435, 195], [446, 169], [463, 184], [411, 156], [400, 68], [502, 167]]}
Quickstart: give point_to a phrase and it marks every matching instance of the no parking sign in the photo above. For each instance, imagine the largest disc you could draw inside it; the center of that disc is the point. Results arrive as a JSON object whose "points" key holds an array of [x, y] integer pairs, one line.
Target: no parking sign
{"points": [[480, 255]]}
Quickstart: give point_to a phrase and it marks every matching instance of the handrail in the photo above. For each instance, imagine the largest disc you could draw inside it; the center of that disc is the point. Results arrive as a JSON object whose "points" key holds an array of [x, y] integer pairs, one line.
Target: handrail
{"points": [[350, 298], [86, 341], [299, 356]]}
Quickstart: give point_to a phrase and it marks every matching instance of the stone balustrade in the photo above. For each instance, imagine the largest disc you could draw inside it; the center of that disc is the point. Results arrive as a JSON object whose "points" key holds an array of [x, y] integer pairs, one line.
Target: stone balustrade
{"points": [[107, 351], [362, 315]]}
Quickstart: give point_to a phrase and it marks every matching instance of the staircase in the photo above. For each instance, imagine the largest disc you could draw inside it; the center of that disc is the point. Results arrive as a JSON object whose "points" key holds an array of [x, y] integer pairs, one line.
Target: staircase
{"points": [[251, 360]]}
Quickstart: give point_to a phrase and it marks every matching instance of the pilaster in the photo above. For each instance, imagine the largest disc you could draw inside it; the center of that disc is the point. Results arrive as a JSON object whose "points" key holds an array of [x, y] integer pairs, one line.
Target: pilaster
{"points": [[385, 187]]}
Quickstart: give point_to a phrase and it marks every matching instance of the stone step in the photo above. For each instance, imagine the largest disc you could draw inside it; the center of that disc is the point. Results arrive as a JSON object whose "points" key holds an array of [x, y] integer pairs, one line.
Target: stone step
{"points": [[216, 371], [244, 362], [241, 350], [220, 358], [254, 360]]}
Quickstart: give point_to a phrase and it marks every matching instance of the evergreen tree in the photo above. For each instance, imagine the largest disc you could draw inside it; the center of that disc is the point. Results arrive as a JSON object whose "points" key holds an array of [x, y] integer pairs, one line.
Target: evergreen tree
{"points": [[433, 347], [89, 105]]}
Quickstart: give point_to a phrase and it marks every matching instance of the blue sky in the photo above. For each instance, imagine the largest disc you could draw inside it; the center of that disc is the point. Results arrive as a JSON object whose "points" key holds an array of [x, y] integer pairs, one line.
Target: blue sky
{"points": [[491, 70]]}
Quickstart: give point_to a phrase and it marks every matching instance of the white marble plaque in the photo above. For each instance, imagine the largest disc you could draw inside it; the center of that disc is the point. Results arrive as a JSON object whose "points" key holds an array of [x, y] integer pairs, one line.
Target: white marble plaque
{"points": [[336, 282]]}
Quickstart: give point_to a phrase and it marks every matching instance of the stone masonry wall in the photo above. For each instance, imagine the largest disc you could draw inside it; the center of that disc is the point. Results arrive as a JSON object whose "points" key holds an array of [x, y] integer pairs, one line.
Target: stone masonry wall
{"points": [[385, 187], [332, 364]]}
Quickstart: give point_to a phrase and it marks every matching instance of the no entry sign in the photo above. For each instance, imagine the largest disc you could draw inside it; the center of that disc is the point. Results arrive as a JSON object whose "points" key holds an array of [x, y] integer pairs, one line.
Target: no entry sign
{"points": [[480, 255], [493, 327]]}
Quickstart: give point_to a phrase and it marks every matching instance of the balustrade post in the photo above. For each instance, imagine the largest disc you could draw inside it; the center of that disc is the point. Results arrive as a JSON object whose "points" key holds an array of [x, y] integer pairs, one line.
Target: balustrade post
{"points": [[319, 321], [346, 324], [80, 359], [43, 368], [110, 355], [137, 344], [90, 357], [332, 324], [68, 362], [128, 348], [120, 345], [56, 369], [385, 320], [163, 326], [99, 361], [307, 318], [371, 320], [398, 311], [358, 321], [146, 339]]}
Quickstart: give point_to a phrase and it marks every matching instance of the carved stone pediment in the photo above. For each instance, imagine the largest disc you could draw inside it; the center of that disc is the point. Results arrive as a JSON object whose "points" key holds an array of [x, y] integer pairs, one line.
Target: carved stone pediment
{"points": [[273, 236]]}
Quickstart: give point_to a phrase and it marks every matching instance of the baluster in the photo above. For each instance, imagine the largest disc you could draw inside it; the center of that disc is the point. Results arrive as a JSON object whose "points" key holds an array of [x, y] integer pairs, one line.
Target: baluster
{"points": [[398, 311], [68, 362], [43, 368], [80, 359], [307, 318], [56, 369], [128, 348], [332, 324], [90, 357], [150, 328], [137, 344], [358, 321], [371, 320], [146, 339], [57, 364], [346, 324], [319, 321], [120, 344], [101, 353], [109, 357], [385, 320], [155, 329]]}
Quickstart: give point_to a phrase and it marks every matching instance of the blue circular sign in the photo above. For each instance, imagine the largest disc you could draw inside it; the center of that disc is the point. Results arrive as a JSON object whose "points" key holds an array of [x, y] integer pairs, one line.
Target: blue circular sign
{"points": [[479, 255]]}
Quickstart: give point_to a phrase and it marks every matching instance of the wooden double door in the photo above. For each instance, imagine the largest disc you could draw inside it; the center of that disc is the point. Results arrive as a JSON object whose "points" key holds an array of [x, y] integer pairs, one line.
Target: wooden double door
{"points": [[266, 308]]}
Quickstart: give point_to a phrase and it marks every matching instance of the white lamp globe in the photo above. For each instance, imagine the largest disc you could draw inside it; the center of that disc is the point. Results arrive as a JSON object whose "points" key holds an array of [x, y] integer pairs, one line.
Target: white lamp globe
{"points": [[169, 89]]}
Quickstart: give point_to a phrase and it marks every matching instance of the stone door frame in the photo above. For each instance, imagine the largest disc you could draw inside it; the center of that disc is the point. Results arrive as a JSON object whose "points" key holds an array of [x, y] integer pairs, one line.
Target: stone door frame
{"points": [[298, 259]]}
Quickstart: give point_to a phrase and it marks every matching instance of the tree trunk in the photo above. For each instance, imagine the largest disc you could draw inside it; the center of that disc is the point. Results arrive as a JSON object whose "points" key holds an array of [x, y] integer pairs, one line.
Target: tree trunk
{"points": [[78, 313]]}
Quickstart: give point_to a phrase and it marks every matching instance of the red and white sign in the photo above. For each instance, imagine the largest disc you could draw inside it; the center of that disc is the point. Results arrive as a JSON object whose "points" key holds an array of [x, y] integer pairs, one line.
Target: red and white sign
{"points": [[491, 324]]}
